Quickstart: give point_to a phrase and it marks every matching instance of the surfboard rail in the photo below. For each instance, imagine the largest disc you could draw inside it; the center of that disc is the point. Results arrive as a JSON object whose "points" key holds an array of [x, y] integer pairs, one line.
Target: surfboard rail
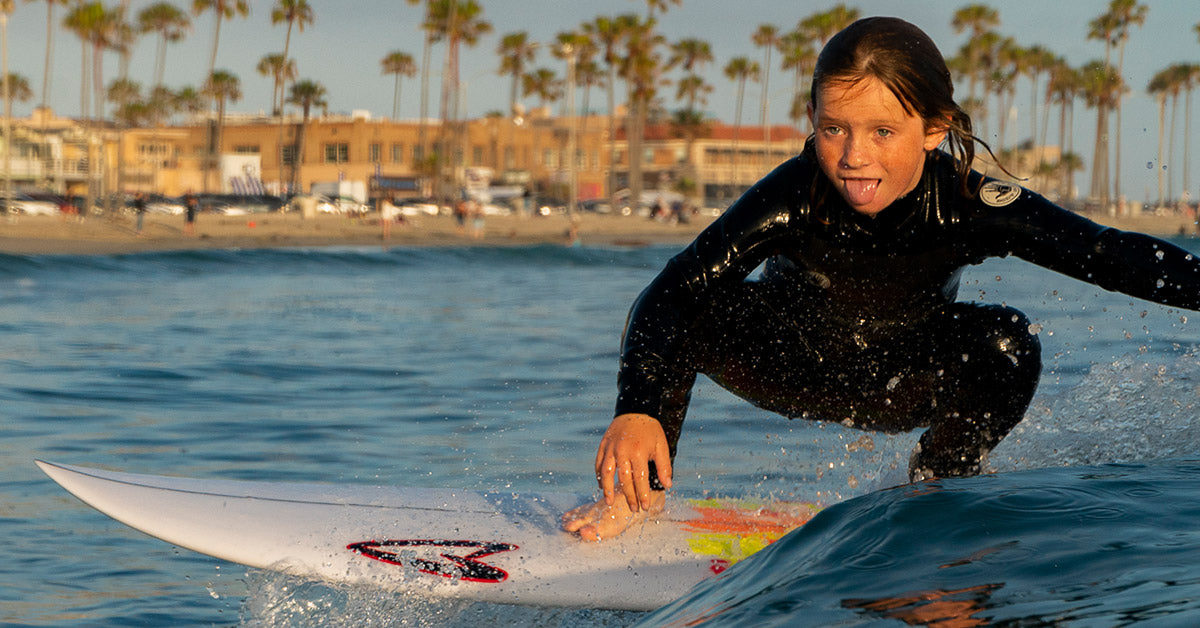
{"points": [[495, 547]]}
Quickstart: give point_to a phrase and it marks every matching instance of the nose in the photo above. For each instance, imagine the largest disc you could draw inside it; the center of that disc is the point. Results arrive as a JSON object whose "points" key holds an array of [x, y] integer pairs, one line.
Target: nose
{"points": [[854, 154]]}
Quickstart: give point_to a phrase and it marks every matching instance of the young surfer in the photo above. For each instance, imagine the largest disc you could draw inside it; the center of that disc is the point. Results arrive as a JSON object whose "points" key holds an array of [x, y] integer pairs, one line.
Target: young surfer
{"points": [[855, 318]]}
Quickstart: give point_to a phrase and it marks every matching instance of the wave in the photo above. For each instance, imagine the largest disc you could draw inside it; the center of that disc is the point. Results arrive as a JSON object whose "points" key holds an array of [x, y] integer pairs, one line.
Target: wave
{"points": [[330, 259], [1098, 545]]}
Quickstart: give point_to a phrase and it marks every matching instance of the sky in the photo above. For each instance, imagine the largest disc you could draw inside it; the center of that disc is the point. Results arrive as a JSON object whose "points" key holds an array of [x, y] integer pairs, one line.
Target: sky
{"points": [[343, 47]]}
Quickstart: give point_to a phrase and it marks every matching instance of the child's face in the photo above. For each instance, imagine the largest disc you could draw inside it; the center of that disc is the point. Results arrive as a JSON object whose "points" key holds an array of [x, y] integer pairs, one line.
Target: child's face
{"points": [[869, 147]]}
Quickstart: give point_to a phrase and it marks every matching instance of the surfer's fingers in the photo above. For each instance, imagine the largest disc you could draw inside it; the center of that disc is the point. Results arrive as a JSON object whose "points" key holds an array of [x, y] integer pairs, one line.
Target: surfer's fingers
{"points": [[662, 462], [606, 466], [629, 487]]}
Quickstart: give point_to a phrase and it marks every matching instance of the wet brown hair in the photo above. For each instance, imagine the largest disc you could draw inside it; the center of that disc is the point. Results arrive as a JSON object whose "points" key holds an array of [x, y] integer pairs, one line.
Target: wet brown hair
{"points": [[905, 59]]}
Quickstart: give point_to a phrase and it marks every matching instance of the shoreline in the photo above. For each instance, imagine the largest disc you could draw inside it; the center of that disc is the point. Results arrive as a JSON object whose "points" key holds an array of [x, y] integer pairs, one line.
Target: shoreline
{"points": [[54, 235]]}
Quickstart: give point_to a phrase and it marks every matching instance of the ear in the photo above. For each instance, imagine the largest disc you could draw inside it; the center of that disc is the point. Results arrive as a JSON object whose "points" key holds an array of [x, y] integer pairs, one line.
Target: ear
{"points": [[936, 134], [812, 114]]}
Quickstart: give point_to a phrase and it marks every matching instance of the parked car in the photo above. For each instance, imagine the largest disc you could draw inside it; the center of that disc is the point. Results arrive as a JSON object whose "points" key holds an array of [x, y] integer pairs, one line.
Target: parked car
{"points": [[159, 204], [418, 207], [340, 205], [31, 206]]}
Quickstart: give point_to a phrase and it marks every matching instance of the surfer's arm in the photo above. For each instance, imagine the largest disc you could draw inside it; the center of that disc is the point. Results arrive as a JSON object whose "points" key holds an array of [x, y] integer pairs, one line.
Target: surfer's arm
{"points": [[655, 377], [1132, 263]]}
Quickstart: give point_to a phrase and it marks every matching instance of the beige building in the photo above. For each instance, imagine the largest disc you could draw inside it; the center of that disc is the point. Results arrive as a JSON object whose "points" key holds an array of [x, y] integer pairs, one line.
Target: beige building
{"points": [[382, 157], [379, 155]]}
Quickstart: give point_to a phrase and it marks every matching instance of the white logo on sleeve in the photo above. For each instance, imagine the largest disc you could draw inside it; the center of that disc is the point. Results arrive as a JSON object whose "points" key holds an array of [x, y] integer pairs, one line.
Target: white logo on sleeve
{"points": [[998, 193]]}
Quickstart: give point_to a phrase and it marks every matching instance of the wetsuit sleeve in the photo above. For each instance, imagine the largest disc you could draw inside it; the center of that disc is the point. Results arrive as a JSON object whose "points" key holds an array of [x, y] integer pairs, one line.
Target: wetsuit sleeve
{"points": [[655, 377], [1123, 261]]}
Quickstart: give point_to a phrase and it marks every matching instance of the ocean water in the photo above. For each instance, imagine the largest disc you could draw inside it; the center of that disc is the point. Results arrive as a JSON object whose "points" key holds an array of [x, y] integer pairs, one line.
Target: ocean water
{"points": [[493, 369]]}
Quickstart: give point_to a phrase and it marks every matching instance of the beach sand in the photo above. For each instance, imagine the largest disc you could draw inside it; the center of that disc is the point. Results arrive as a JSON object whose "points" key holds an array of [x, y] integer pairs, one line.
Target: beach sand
{"points": [[51, 235]]}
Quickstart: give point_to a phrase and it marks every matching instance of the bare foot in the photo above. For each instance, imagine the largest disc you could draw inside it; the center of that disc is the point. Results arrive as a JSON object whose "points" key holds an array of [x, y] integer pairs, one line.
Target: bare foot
{"points": [[599, 521]]}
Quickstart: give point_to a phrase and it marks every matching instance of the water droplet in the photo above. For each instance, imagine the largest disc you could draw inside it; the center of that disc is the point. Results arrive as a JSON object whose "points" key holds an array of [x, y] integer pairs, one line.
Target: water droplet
{"points": [[1160, 283], [1149, 165], [1035, 328], [1160, 254]]}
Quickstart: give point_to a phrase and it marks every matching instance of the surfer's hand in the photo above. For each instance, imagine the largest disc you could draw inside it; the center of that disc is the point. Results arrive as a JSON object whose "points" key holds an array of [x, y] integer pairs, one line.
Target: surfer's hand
{"points": [[598, 521], [623, 459]]}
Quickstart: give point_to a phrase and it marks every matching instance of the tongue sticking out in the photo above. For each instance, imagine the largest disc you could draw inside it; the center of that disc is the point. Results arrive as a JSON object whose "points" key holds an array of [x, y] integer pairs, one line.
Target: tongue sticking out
{"points": [[861, 192]]}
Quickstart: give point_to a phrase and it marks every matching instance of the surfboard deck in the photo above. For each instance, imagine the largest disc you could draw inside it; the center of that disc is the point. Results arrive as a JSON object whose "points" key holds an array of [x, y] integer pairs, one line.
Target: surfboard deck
{"points": [[494, 547]]}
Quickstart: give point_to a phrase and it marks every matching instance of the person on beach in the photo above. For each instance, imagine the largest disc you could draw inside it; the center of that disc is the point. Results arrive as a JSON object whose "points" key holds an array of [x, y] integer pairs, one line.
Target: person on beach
{"points": [[854, 317], [190, 206], [139, 208]]}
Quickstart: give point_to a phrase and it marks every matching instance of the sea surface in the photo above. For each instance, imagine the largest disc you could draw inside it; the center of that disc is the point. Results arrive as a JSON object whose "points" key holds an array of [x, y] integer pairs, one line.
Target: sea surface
{"points": [[493, 369]]}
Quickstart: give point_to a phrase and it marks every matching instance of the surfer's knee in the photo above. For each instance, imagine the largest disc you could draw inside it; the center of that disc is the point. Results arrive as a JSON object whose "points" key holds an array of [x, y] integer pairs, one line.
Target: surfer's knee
{"points": [[999, 341]]}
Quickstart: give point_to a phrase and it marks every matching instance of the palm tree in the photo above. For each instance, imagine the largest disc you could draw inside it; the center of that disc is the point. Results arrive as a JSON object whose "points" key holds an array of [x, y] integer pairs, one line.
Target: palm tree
{"points": [[1191, 79], [740, 70], [1178, 78], [1101, 88], [48, 63], [281, 70], [800, 57], [398, 64], [1124, 14], [222, 87], [305, 94], [515, 51], [187, 100], [296, 13], [543, 84], [659, 5], [128, 107], [222, 10], [95, 26], [979, 19], [457, 22], [18, 84], [1160, 88], [641, 68], [425, 56], [1036, 60], [608, 32], [171, 24], [6, 85], [822, 26], [767, 38], [690, 55]]}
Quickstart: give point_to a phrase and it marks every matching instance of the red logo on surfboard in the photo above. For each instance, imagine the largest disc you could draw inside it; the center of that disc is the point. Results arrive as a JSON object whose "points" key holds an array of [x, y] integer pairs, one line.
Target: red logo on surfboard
{"points": [[404, 553]]}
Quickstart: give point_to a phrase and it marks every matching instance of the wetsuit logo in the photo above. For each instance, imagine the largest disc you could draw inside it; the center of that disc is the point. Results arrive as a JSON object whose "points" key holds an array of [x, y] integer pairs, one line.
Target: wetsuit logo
{"points": [[998, 193]]}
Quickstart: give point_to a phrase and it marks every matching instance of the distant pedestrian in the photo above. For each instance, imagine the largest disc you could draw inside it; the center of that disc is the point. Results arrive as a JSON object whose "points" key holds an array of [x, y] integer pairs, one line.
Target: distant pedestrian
{"points": [[139, 208], [191, 206]]}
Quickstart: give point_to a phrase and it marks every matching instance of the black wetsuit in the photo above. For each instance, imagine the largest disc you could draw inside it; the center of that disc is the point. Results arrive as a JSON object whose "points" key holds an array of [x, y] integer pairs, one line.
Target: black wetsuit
{"points": [[854, 318]]}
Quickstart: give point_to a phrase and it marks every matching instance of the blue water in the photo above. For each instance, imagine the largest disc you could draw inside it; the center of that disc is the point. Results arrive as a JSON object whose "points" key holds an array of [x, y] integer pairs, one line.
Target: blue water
{"points": [[493, 368]]}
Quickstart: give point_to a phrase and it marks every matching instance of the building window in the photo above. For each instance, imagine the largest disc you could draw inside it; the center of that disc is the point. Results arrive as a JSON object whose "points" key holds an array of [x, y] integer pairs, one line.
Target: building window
{"points": [[510, 158], [287, 154], [246, 149], [418, 154], [397, 153], [476, 155], [374, 153], [337, 153]]}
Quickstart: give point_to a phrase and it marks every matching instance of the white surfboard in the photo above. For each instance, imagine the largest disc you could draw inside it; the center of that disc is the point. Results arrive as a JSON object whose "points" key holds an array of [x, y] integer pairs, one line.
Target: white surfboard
{"points": [[495, 547]]}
